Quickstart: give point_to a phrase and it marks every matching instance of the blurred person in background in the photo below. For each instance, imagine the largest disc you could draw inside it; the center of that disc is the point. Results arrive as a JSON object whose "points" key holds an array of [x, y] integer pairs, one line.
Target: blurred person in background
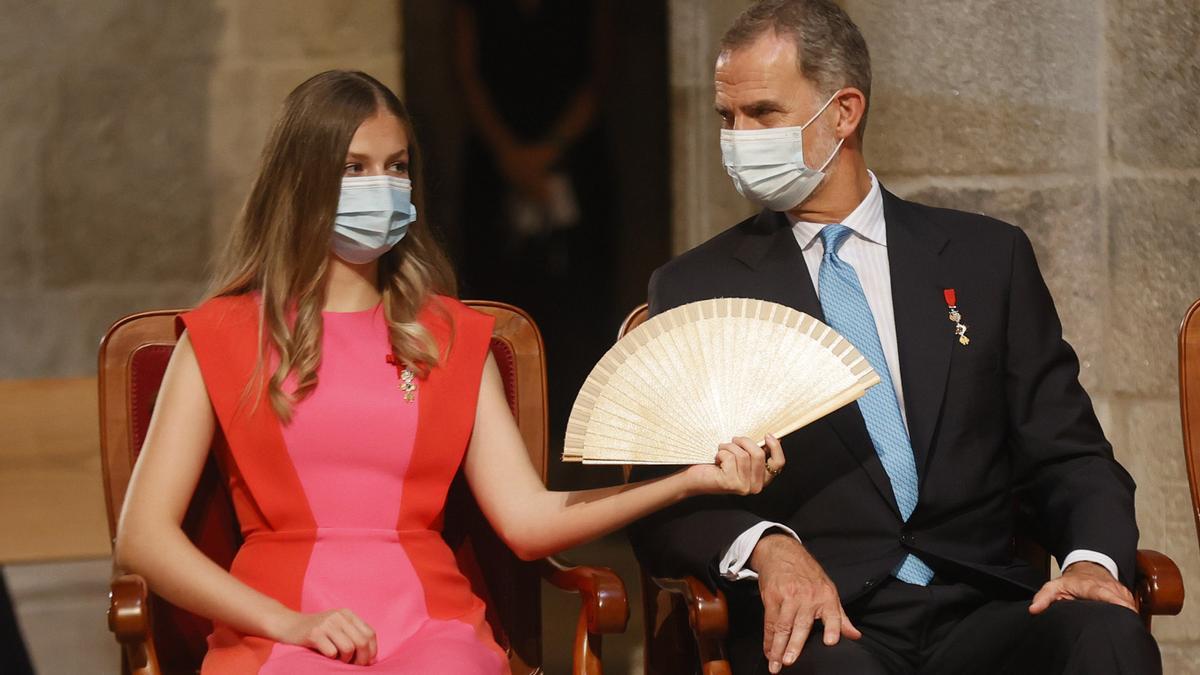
{"points": [[538, 195]]}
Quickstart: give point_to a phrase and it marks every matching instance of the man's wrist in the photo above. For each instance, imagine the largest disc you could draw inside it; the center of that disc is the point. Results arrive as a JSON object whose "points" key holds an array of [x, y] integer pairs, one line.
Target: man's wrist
{"points": [[1087, 555], [767, 545], [1082, 566]]}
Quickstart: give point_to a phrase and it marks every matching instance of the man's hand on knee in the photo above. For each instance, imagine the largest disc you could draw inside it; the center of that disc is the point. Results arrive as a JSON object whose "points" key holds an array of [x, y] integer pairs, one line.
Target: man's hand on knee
{"points": [[795, 592], [1083, 581]]}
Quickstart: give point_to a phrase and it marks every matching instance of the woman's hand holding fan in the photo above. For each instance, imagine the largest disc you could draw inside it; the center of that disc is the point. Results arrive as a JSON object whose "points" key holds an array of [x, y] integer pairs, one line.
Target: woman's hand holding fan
{"points": [[687, 380], [742, 467]]}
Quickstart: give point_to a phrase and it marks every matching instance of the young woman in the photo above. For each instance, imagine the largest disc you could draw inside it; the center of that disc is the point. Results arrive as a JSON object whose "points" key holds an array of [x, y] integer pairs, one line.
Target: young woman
{"points": [[349, 388]]}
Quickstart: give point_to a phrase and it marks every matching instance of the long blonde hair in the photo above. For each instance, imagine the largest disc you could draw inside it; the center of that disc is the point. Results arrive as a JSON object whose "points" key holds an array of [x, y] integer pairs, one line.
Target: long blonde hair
{"points": [[281, 240]]}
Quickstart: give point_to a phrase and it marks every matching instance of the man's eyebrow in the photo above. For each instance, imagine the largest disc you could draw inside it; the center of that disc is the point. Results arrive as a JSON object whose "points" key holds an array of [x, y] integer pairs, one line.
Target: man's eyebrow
{"points": [[761, 107]]}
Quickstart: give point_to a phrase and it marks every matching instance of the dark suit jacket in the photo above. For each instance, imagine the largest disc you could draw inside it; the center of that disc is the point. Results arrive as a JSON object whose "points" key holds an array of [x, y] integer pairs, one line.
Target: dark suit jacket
{"points": [[1000, 422]]}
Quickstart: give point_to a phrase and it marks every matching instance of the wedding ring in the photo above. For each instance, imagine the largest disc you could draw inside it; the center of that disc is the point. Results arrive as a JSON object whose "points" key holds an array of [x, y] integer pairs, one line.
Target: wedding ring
{"points": [[773, 472]]}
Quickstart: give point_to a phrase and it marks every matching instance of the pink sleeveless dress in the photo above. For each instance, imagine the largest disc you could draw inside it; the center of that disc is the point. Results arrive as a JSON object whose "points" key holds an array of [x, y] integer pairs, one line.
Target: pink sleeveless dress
{"points": [[343, 506]]}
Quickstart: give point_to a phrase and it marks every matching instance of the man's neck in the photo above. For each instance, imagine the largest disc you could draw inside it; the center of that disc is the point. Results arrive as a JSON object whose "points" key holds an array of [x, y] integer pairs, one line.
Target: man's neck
{"points": [[845, 187]]}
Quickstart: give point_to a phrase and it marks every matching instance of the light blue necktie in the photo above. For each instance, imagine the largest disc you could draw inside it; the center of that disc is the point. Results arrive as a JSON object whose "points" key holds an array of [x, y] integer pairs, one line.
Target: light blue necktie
{"points": [[846, 310]]}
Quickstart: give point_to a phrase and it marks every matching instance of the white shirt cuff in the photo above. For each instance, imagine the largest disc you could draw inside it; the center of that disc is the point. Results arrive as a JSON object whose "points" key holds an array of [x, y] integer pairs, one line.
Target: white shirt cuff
{"points": [[1084, 555], [733, 563]]}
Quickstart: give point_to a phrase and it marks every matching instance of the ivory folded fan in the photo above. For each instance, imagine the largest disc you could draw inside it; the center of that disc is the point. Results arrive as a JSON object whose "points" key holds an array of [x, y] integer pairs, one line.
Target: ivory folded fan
{"points": [[694, 377]]}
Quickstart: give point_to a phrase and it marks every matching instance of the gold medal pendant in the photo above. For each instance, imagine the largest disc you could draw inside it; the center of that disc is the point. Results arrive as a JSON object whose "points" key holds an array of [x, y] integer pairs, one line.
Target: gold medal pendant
{"points": [[960, 328]]}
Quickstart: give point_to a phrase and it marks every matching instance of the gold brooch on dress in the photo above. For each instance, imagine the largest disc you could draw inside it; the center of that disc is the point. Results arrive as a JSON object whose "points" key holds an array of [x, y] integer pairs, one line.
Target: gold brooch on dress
{"points": [[408, 381]]}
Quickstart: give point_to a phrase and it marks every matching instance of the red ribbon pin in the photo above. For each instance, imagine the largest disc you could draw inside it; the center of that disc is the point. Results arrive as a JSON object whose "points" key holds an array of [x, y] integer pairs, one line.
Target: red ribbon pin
{"points": [[960, 329]]}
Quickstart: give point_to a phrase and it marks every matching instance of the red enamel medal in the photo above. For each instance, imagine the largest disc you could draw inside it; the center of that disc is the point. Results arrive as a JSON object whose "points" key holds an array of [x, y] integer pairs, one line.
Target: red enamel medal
{"points": [[960, 329]]}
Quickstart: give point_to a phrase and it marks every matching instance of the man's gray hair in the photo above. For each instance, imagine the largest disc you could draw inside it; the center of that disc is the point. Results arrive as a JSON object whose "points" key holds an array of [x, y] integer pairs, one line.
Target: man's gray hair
{"points": [[830, 51]]}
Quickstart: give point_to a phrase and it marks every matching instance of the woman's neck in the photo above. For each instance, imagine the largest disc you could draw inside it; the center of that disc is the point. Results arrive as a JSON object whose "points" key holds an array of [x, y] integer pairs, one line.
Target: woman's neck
{"points": [[350, 287]]}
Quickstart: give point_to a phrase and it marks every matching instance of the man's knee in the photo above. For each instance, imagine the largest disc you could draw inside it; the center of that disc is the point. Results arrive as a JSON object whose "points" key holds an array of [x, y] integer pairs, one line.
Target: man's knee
{"points": [[1094, 620], [847, 656], [1094, 628]]}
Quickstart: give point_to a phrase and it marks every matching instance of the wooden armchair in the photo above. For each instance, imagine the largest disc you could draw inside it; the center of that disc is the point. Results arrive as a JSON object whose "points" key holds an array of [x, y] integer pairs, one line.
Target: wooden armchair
{"points": [[159, 638], [686, 623], [1189, 400]]}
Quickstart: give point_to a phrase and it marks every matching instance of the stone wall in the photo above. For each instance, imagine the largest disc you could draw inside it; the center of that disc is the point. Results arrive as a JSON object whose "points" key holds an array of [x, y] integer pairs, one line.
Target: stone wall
{"points": [[131, 133], [1077, 120]]}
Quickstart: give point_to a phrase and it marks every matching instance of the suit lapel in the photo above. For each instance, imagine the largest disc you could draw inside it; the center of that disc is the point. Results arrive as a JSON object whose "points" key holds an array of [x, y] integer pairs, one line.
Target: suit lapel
{"points": [[924, 336], [782, 276]]}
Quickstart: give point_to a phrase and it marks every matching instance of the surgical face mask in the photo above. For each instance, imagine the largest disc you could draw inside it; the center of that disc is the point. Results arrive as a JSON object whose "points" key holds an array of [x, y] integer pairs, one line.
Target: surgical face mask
{"points": [[373, 215], [767, 165]]}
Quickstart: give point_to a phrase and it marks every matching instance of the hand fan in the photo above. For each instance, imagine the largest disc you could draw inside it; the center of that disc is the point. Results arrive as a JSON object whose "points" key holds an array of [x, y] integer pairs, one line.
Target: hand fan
{"points": [[694, 377]]}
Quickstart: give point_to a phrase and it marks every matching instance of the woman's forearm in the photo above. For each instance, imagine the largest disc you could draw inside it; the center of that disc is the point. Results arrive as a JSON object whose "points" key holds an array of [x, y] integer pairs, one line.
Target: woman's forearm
{"points": [[549, 522], [183, 575], [535, 522]]}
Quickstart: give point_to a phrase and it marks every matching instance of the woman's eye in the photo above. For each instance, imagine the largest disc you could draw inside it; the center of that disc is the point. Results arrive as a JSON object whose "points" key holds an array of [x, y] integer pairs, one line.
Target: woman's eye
{"points": [[353, 167], [399, 167]]}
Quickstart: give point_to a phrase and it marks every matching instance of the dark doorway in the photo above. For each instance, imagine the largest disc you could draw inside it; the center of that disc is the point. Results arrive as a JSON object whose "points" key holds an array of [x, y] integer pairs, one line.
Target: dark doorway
{"points": [[574, 245]]}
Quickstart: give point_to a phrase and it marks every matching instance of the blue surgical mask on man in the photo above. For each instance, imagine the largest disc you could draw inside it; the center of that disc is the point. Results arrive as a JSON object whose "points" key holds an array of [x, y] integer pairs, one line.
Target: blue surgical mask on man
{"points": [[373, 215], [767, 165]]}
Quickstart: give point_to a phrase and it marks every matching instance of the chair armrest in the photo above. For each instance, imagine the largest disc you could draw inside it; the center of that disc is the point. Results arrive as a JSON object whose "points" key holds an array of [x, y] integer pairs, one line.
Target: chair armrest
{"points": [[707, 611], [129, 621], [128, 609], [1158, 585], [602, 592]]}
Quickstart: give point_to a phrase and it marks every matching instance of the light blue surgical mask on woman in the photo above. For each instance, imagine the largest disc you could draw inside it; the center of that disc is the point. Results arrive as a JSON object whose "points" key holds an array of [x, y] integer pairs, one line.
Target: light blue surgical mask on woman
{"points": [[373, 215]]}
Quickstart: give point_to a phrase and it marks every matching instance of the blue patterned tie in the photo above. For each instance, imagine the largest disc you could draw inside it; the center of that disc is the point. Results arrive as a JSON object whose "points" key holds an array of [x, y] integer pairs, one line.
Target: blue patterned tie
{"points": [[847, 311]]}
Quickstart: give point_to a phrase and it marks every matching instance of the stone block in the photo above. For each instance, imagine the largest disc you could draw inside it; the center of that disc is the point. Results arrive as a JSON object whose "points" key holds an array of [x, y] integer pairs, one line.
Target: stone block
{"points": [[107, 31], [1154, 241], [981, 86], [36, 335], [57, 333], [1154, 83], [315, 28], [1061, 222], [23, 32], [110, 31], [1180, 657], [126, 196], [696, 27], [23, 107]]}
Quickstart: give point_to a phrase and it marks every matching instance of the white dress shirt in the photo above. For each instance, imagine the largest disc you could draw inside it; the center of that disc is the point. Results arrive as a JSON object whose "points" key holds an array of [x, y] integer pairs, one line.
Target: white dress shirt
{"points": [[866, 251]]}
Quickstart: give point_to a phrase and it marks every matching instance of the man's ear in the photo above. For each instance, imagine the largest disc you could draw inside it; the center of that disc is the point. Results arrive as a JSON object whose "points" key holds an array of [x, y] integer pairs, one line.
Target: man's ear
{"points": [[851, 106]]}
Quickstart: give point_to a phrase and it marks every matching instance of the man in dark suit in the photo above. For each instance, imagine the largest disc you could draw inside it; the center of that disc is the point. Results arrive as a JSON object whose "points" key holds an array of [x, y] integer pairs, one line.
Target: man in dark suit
{"points": [[893, 522]]}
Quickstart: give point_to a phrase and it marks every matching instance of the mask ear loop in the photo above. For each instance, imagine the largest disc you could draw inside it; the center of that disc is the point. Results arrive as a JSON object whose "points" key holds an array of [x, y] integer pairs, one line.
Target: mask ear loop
{"points": [[832, 154], [813, 118], [821, 110]]}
